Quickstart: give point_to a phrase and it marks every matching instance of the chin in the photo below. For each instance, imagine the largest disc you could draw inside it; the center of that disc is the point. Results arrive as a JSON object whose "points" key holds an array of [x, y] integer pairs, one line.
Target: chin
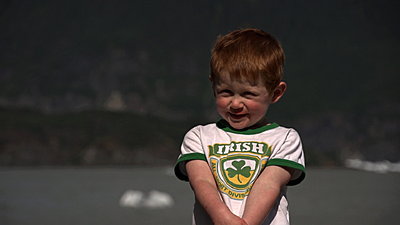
{"points": [[238, 126]]}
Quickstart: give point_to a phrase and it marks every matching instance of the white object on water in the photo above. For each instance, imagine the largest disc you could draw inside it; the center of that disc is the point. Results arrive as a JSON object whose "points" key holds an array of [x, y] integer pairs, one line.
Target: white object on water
{"points": [[138, 199], [131, 198], [157, 199], [378, 167]]}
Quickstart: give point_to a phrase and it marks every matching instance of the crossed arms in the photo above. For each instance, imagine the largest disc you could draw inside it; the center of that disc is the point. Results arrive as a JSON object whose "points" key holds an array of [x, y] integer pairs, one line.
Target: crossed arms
{"points": [[268, 185]]}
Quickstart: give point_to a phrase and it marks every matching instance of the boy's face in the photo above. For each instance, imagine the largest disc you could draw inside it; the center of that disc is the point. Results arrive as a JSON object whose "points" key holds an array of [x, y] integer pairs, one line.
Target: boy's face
{"points": [[242, 104]]}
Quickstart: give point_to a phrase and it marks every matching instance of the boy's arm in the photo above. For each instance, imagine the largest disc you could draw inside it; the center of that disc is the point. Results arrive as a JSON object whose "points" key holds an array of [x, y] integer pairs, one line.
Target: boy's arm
{"points": [[264, 193], [206, 192]]}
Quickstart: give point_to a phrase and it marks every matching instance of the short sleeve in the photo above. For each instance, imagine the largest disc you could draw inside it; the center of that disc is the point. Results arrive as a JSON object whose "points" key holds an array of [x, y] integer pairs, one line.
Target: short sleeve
{"points": [[191, 149], [290, 154]]}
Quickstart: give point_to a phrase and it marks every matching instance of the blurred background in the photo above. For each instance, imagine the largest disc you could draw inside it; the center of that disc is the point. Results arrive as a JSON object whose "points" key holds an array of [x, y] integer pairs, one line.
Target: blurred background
{"points": [[101, 84]]}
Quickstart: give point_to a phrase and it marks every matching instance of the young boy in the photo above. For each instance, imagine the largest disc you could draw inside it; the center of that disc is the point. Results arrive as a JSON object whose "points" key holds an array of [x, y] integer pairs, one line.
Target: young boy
{"points": [[240, 166]]}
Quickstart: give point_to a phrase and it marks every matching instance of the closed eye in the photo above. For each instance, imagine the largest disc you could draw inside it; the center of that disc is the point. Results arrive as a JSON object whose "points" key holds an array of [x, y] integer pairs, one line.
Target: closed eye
{"points": [[225, 92], [250, 94]]}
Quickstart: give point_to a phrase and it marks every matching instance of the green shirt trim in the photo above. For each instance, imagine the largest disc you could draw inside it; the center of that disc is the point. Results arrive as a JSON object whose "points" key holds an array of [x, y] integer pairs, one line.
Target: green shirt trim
{"points": [[222, 124], [290, 164], [180, 170]]}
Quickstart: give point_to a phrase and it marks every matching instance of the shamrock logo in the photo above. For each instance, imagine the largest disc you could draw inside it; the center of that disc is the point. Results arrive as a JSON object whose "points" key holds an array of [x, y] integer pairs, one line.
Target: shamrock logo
{"points": [[240, 169]]}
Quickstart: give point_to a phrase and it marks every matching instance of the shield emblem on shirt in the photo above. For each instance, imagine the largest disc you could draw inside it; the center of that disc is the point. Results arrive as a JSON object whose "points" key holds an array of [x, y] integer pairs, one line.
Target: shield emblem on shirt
{"points": [[238, 170]]}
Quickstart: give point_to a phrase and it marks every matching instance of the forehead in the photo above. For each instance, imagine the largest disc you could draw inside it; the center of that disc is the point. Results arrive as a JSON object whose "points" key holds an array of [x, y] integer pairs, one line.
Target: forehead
{"points": [[236, 83], [226, 78]]}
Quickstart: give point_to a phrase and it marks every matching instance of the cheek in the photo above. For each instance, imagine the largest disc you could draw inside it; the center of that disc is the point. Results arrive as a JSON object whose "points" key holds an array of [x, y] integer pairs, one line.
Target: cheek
{"points": [[257, 107], [221, 107], [221, 102]]}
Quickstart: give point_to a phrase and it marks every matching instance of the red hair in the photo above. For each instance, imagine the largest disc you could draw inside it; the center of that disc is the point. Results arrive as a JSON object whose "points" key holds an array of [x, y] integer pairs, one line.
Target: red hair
{"points": [[248, 55]]}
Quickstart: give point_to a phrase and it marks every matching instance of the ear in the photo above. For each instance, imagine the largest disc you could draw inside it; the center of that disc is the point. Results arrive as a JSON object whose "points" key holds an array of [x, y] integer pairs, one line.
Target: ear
{"points": [[279, 91]]}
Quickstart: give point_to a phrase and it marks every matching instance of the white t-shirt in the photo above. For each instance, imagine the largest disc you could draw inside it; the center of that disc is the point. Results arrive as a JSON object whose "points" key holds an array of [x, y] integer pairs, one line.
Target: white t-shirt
{"points": [[236, 159]]}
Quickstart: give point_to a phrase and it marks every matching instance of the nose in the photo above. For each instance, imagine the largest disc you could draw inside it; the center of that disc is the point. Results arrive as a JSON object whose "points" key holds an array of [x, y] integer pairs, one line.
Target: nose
{"points": [[236, 104]]}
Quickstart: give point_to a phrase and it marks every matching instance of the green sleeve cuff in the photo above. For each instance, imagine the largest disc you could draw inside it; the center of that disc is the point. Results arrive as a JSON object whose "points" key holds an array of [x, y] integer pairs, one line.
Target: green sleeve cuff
{"points": [[298, 177], [180, 169]]}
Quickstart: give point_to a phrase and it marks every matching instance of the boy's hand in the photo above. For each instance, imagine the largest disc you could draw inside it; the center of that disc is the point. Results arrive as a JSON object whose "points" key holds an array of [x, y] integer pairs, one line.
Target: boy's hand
{"points": [[230, 220]]}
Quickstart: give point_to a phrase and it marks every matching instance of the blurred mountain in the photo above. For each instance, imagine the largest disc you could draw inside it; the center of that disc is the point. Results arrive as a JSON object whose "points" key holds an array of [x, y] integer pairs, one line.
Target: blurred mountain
{"points": [[150, 59]]}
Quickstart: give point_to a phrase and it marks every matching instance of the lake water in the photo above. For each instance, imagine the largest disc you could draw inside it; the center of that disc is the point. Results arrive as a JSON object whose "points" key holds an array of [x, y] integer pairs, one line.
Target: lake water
{"points": [[91, 196]]}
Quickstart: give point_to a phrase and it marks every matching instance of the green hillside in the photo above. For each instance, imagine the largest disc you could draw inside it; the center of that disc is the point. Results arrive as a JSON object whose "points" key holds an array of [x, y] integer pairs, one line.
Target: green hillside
{"points": [[97, 73], [87, 138]]}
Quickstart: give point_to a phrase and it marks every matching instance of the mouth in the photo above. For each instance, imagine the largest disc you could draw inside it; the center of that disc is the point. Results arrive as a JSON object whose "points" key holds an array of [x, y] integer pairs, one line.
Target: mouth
{"points": [[237, 117]]}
